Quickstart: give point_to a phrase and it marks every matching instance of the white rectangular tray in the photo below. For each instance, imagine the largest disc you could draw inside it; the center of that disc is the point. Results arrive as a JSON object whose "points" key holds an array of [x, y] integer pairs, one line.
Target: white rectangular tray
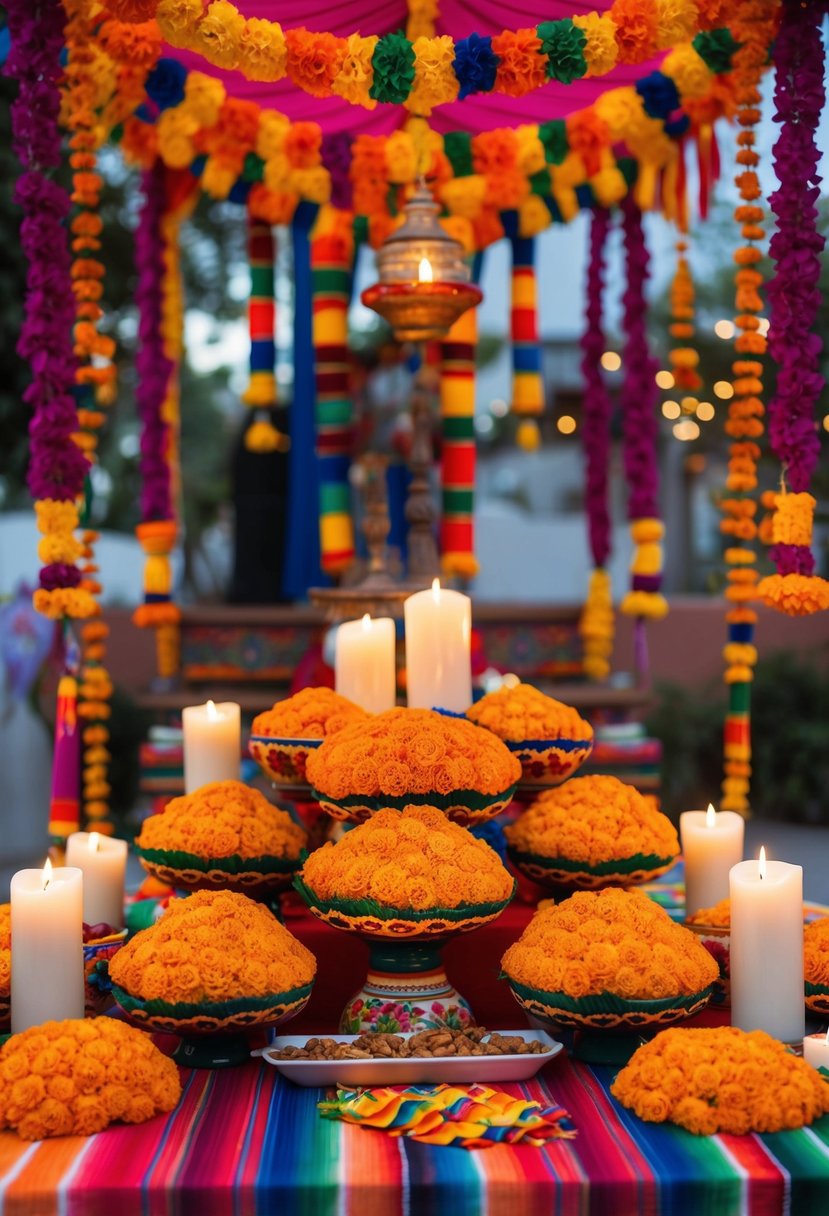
{"points": [[465, 1070]]}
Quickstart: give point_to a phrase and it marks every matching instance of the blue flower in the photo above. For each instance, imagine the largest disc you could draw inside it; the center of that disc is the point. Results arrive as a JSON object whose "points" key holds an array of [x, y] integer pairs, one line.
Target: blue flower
{"points": [[165, 83], [659, 94], [475, 65]]}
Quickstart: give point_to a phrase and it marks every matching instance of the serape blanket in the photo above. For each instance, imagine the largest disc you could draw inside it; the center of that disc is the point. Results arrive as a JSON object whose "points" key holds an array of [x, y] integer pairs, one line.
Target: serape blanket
{"points": [[244, 1142]]}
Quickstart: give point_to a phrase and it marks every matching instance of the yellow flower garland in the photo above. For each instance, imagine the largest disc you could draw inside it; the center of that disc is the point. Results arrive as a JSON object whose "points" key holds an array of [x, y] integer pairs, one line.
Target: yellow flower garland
{"points": [[612, 941], [77, 1076], [723, 1080]]}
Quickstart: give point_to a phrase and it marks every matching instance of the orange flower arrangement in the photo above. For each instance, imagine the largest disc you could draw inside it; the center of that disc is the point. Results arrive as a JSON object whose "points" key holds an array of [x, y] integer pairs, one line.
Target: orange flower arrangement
{"points": [[518, 712], [212, 946], [815, 953], [594, 820], [224, 819], [313, 713], [76, 1077], [718, 917], [612, 941], [412, 751], [414, 859], [722, 1080]]}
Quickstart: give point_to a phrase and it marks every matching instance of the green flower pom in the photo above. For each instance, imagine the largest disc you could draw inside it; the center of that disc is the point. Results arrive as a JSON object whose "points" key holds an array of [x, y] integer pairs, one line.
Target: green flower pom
{"points": [[563, 43], [540, 183], [458, 148], [553, 136], [253, 169], [716, 49], [393, 63]]}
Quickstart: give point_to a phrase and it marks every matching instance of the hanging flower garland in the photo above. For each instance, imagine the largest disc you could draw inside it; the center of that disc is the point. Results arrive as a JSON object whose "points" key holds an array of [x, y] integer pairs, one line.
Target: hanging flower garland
{"points": [[457, 449], [641, 434], [596, 625], [684, 358], [794, 297], [365, 70], [57, 466], [754, 25], [260, 395], [527, 397]]}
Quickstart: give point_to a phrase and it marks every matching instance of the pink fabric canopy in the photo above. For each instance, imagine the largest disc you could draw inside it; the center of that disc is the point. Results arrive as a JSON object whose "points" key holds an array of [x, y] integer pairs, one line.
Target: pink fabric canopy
{"points": [[456, 17]]}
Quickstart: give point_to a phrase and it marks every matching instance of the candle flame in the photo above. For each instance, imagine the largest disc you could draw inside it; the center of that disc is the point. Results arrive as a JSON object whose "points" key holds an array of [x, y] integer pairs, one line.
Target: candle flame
{"points": [[761, 862], [47, 873], [424, 271], [366, 623], [94, 842], [710, 816], [436, 590], [212, 712]]}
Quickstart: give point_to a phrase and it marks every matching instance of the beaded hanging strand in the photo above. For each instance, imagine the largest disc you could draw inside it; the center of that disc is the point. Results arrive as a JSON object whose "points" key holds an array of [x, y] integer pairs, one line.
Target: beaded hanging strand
{"points": [[457, 411], [753, 27], [596, 624], [527, 385], [794, 298]]}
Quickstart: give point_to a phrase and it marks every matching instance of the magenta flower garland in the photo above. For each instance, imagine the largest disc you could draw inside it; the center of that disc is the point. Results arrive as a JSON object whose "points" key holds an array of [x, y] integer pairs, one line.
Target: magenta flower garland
{"points": [[794, 298], [57, 466], [596, 625], [640, 433]]}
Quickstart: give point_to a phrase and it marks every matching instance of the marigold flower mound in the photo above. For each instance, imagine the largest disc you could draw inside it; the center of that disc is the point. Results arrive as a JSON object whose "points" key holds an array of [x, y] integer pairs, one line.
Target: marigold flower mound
{"points": [[612, 942], [523, 712], [723, 1080], [77, 1076], [591, 830], [718, 916], [213, 946], [223, 825], [313, 713], [816, 964], [413, 756], [411, 861], [5, 962]]}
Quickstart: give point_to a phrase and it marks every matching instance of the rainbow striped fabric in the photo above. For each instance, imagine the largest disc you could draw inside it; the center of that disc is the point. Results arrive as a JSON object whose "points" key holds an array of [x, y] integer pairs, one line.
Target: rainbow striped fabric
{"points": [[243, 1142]]}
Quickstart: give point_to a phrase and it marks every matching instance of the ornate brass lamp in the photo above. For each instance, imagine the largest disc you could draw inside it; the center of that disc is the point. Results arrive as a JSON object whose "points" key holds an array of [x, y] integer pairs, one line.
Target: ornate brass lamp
{"points": [[424, 281]]}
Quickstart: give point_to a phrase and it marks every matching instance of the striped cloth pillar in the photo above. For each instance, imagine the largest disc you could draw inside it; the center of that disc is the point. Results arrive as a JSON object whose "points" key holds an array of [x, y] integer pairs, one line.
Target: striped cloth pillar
{"points": [[527, 385], [457, 410], [260, 394], [332, 259]]}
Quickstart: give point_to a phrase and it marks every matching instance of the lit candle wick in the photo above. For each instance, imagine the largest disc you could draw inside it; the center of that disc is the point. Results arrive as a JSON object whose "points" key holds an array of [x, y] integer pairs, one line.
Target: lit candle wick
{"points": [[212, 712], [424, 271], [761, 862], [710, 817], [366, 623], [47, 873], [436, 590], [94, 842]]}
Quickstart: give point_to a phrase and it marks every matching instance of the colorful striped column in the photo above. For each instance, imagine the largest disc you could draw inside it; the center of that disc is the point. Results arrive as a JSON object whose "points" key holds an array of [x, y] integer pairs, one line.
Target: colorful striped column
{"points": [[457, 411], [527, 385], [332, 259], [260, 394]]}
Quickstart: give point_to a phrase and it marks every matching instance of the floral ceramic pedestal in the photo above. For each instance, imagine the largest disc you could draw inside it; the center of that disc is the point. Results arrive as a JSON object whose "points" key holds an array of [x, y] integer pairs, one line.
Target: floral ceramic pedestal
{"points": [[405, 990]]}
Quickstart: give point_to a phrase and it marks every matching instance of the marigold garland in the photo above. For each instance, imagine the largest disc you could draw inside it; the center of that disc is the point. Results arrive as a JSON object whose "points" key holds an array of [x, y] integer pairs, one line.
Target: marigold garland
{"points": [[415, 859], [212, 946], [722, 1081], [312, 713], [223, 819], [520, 712], [684, 359], [612, 941], [753, 25], [412, 751], [593, 819], [77, 1076]]}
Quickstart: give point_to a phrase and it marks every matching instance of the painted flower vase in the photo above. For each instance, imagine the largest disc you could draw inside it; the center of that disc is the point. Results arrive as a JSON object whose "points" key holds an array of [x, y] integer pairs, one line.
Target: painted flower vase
{"points": [[406, 990]]}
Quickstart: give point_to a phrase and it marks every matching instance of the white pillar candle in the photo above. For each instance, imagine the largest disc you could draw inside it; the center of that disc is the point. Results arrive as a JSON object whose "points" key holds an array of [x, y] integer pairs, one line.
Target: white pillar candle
{"points": [[103, 862], [816, 1050], [47, 979], [438, 644], [767, 948], [364, 664], [212, 744], [711, 845]]}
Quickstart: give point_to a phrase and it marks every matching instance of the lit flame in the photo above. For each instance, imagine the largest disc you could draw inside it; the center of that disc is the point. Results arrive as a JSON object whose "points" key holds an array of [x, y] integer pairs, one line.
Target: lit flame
{"points": [[761, 862], [212, 712], [424, 271], [710, 816], [94, 842], [436, 590], [366, 623], [46, 877]]}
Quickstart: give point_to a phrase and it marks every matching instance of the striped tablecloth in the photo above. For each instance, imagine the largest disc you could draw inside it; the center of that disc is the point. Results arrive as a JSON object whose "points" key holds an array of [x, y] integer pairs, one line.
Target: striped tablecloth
{"points": [[245, 1143]]}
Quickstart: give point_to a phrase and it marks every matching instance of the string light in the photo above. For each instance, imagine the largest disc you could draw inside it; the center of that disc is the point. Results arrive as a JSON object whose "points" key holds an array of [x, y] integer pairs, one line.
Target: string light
{"points": [[724, 390], [670, 409], [724, 330], [688, 404], [611, 362], [686, 430], [566, 424], [665, 379], [705, 411]]}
